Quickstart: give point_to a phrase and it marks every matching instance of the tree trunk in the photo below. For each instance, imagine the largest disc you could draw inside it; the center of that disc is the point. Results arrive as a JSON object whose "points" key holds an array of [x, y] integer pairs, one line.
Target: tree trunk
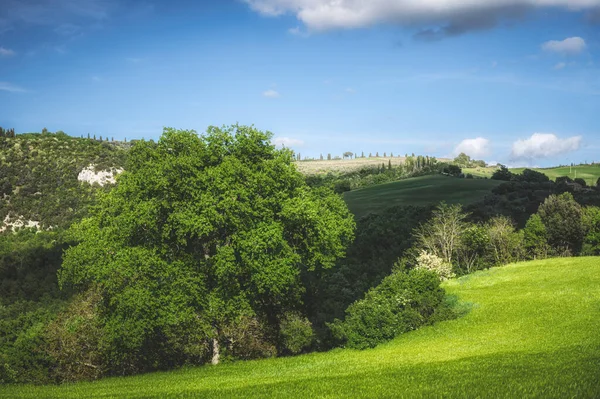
{"points": [[216, 353]]}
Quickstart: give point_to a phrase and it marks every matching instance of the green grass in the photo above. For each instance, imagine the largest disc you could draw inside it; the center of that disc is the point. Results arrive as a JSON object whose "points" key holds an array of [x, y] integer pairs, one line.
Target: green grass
{"points": [[590, 173], [532, 331], [422, 190]]}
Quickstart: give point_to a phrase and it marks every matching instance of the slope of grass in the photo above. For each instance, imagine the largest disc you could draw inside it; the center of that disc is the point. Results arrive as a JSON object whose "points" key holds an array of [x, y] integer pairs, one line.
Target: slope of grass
{"points": [[423, 190], [590, 173], [532, 331]]}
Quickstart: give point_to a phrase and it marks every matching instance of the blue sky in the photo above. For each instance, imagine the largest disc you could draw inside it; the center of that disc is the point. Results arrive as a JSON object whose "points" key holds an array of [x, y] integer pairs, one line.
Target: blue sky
{"points": [[511, 81]]}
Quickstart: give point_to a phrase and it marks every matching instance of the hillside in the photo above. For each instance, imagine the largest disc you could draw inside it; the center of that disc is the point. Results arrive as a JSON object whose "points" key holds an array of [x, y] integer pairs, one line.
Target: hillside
{"points": [[590, 173], [419, 191], [39, 177], [531, 331]]}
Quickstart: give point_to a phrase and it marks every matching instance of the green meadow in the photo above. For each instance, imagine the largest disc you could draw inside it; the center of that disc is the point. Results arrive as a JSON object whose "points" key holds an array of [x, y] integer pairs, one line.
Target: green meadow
{"points": [[424, 190], [528, 330], [590, 173]]}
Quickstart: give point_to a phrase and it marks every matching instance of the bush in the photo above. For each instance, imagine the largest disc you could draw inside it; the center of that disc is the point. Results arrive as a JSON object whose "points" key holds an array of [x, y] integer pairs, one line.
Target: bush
{"points": [[532, 176], [431, 262], [561, 215], [535, 238], [502, 174], [342, 186], [580, 181], [591, 222], [74, 340], [246, 338], [401, 303], [505, 243], [296, 332]]}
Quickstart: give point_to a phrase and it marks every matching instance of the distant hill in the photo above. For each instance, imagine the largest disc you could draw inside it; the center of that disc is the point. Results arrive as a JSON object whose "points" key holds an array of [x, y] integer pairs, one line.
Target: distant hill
{"points": [[590, 173], [423, 190], [39, 177]]}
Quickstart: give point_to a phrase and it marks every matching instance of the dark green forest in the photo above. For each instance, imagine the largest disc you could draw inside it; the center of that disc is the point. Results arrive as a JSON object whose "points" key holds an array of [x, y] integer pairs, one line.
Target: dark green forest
{"points": [[213, 248]]}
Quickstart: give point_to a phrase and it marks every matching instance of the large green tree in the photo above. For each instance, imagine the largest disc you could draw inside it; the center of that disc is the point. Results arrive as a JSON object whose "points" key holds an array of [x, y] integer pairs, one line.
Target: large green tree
{"points": [[201, 233]]}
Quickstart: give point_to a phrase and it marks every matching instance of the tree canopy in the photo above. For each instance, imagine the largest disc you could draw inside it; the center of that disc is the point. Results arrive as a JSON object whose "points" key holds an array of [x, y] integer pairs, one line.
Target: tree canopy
{"points": [[201, 232]]}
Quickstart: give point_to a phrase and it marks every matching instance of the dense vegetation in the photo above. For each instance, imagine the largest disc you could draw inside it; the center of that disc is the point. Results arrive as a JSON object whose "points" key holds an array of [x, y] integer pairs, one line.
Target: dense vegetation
{"points": [[214, 247], [38, 176], [531, 331]]}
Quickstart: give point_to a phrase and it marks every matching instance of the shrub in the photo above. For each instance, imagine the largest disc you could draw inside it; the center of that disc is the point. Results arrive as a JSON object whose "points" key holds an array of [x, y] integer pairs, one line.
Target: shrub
{"points": [[401, 303], [561, 215], [431, 262], [580, 181], [532, 176], [535, 238], [502, 174], [505, 242], [591, 222], [342, 186], [296, 332], [74, 340], [246, 338], [472, 251]]}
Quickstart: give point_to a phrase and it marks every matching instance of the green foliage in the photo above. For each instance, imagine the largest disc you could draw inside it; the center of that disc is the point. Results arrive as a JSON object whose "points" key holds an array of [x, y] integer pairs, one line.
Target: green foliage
{"points": [[38, 176], [561, 215], [74, 339], [532, 332], [473, 249], [23, 355], [591, 224], [296, 332], [401, 303], [580, 181], [531, 176], [506, 244], [502, 174], [200, 232], [535, 238]]}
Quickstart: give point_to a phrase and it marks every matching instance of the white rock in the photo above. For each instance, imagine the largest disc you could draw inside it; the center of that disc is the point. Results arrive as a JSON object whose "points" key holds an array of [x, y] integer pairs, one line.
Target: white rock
{"points": [[101, 177]]}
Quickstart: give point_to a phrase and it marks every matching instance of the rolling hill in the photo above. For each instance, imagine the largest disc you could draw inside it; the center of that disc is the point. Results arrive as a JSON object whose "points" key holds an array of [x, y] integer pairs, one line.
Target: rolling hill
{"points": [[590, 173], [423, 190], [531, 331]]}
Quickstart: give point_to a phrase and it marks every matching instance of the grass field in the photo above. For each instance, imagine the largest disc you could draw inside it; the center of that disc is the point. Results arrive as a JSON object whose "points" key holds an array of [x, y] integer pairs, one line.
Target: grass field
{"points": [[590, 173], [313, 167], [532, 331], [418, 191]]}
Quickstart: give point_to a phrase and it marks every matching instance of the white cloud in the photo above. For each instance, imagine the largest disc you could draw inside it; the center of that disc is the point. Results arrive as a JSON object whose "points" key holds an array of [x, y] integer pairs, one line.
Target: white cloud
{"points": [[297, 31], [456, 17], [350, 90], [543, 145], [6, 52], [475, 148], [271, 94], [287, 142], [560, 65], [569, 46], [5, 86]]}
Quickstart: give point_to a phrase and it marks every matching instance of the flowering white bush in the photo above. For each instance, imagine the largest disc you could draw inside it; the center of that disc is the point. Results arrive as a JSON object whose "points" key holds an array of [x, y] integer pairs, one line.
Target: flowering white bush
{"points": [[434, 263]]}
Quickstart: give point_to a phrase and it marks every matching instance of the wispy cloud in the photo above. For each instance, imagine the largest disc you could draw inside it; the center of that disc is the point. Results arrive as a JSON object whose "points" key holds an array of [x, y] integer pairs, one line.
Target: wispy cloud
{"points": [[287, 142], [560, 65], [6, 86], [349, 90], [271, 94], [568, 46], [6, 52]]}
